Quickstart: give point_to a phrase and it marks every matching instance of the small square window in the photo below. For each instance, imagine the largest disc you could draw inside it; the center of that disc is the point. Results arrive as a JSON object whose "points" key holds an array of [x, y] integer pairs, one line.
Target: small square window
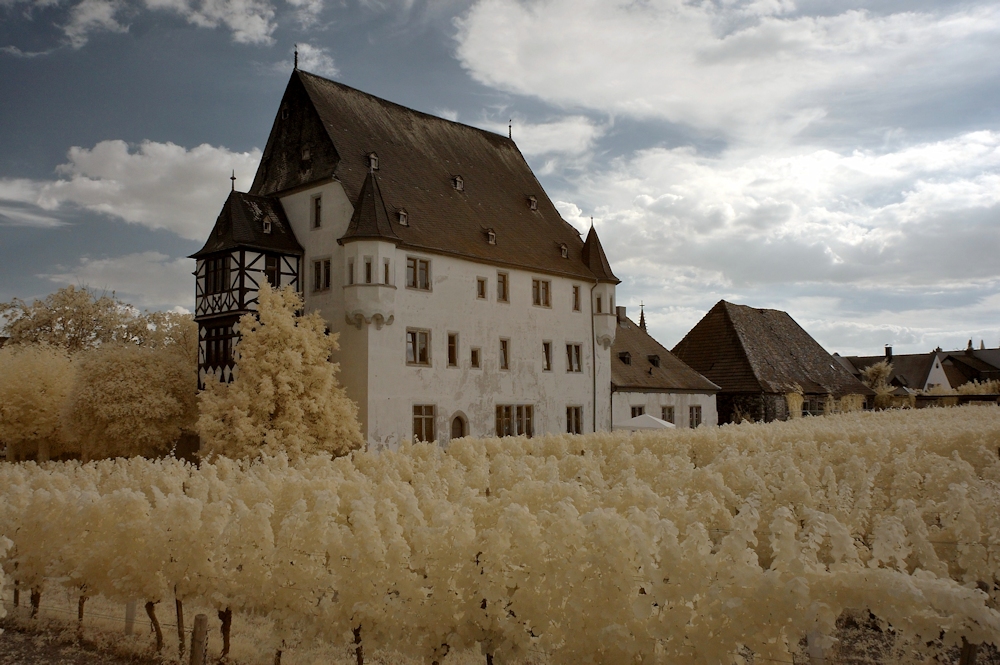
{"points": [[474, 358], [481, 288], [667, 414], [638, 411]]}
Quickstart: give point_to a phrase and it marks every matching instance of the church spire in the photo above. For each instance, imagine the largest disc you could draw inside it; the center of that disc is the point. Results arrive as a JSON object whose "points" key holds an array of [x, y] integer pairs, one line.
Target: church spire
{"points": [[642, 317]]}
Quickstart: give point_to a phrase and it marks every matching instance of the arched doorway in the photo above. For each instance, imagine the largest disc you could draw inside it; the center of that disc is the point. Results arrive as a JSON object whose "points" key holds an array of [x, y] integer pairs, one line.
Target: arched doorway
{"points": [[457, 427]]}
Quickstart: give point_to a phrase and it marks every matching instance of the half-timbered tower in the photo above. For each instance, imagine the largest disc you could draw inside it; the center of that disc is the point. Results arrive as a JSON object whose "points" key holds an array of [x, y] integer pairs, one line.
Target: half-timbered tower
{"points": [[464, 302], [252, 241]]}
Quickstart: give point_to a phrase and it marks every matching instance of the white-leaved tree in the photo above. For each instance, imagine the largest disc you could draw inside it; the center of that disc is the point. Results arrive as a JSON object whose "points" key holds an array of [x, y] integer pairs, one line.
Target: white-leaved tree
{"points": [[285, 396], [34, 383]]}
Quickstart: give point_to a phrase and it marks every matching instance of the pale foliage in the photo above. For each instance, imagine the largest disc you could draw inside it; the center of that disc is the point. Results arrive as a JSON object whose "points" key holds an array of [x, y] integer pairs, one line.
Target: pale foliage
{"points": [[78, 318], [131, 400], [677, 547], [34, 383], [285, 397]]}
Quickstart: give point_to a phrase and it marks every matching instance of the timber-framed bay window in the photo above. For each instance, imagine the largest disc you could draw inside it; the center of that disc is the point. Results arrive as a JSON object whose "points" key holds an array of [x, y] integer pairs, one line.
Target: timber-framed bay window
{"points": [[218, 346], [418, 347], [515, 420], [423, 422], [216, 275]]}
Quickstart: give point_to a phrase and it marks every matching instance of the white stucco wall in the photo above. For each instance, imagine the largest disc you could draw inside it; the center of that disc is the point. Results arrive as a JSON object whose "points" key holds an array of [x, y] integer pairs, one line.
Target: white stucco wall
{"points": [[373, 358], [622, 403], [937, 377]]}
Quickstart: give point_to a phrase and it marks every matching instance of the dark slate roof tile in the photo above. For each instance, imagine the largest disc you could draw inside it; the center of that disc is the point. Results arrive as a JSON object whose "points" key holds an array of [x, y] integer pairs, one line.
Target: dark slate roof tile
{"points": [[241, 224], [641, 374]]}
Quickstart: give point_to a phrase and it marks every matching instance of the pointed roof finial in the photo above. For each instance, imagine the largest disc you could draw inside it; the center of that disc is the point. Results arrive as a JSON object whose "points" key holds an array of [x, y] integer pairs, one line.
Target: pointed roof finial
{"points": [[591, 221], [233, 178], [296, 57], [642, 317], [510, 128]]}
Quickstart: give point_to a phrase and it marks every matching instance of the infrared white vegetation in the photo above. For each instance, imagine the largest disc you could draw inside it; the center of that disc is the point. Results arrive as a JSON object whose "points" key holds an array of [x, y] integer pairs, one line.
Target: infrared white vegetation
{"points": [[683, 547]]}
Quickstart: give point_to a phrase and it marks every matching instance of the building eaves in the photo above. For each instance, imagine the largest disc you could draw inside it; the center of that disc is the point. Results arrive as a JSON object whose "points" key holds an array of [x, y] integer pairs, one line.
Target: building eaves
{"points": [[670, 374], [251, 222]]}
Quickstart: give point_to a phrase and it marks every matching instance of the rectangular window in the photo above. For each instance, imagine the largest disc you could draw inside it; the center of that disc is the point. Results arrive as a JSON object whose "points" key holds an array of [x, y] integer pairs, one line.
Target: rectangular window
{"points": [[574, 420], [573, 358], [418, 344], [576, 298], [317, 211], [474, 358], [418, 273], [218, 347], [505, 354], [546, 356], [423, 422], [271, 271], [386, 274], [515, 420], [638, 411], [326, 273], [350, 271], [481, 288], [667, 414], [216, 275], [452, 350], [368, 270], [598, 307], [503, 293], [317, 275], [540, 290], [694, 416]]}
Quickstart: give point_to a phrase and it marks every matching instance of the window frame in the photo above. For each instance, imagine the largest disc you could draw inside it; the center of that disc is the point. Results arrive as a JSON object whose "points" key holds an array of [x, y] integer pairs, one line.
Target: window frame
{"points": [[574, 419], [503, 360], [541, 292], [316, 211], [415, 346], [514, 420], [638, 411], [321, 278], [576, 297], [482, 288], [217, 275], [546, 355], [453, 349], [268, 258], [475, 357], [574, 352], [413, 269], [426, 421], [504, 294], [668, 410], [694, 410]]}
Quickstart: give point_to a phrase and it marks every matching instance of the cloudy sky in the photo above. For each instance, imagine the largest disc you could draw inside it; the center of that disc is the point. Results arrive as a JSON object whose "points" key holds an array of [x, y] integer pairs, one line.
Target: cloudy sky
{"points": [[838, 160]]}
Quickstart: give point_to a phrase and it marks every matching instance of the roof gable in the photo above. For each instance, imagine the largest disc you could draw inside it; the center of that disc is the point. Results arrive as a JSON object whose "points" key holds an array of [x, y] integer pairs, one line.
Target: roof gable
{"points": [[370, 219], [779, 355], [671, 374], [909, 370], [419, 158], [242, 224]]}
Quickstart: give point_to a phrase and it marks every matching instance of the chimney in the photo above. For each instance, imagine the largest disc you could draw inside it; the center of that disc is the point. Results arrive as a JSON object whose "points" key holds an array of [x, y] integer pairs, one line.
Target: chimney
{"points": [[888, 353], [620, 312]]}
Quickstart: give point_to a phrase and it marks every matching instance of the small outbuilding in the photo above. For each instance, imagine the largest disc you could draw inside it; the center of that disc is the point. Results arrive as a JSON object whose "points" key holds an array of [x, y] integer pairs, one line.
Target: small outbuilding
{"points": [[767, 367], [648, 380]]}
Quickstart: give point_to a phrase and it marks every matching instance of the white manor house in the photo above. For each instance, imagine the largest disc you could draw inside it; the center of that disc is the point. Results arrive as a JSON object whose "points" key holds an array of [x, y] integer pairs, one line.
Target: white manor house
{"points": [[465, 304]]}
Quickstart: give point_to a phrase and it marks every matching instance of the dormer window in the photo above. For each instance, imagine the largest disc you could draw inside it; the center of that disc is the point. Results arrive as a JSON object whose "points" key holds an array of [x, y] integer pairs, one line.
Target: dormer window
{"points": [[625, 357], [267, 226], [404, 219], [491, 236], [654, 360], [533, 203], [306, 154], [564, 250], [373, 161], [459, 183]]}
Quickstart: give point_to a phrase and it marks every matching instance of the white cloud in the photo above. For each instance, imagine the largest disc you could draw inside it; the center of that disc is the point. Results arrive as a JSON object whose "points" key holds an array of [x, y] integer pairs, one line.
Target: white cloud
{"points": [[571, 135], [745, 70], [145, 279], [90, 16], [313, 59], [158, 185], [306, 11], [249, 21]]}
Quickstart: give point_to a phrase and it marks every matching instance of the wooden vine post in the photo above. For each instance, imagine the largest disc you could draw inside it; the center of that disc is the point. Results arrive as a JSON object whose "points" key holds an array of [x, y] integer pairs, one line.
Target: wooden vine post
{"points": [[180, 626], [226, 617], [199, 640]]}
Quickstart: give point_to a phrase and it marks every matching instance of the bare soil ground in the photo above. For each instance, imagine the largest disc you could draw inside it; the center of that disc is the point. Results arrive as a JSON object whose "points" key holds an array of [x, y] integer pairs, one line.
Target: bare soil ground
{"points": [[19, 647]]}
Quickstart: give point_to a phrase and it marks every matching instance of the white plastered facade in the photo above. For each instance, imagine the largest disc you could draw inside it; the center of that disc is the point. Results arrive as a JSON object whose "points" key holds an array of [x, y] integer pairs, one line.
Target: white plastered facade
{"points": [[653, 402], [373, 320]]}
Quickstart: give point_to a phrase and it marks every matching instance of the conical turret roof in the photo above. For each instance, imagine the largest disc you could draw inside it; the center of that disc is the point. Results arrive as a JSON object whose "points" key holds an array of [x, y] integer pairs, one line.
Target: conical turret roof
{"points": [[596, 260], [370, 219]]}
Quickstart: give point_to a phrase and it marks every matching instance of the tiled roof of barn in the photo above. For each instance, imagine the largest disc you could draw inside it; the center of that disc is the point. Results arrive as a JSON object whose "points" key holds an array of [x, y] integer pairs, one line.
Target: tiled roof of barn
{"points": [[419, 157], [749, 350], [641, 374], [370, 219], [241, 224]]}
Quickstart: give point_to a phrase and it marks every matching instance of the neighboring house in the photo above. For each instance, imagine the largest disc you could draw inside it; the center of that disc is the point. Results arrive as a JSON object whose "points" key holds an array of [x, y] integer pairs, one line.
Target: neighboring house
{"points": [[970, 365], [758, 357], [465, 304], [648, 379], [915, 371]]}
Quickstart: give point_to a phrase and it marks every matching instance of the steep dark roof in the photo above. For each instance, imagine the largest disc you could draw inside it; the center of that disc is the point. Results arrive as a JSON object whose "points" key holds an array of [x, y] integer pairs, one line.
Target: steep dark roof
{"points": [[419, 156], [370, 219], [641, 374], [593, 256], [909, 370], [743, 349], [241, 224]]}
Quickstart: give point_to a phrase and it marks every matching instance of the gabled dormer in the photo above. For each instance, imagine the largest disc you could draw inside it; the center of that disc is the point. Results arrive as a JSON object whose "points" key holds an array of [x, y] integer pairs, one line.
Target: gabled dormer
{"points": [[251, 242]]}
